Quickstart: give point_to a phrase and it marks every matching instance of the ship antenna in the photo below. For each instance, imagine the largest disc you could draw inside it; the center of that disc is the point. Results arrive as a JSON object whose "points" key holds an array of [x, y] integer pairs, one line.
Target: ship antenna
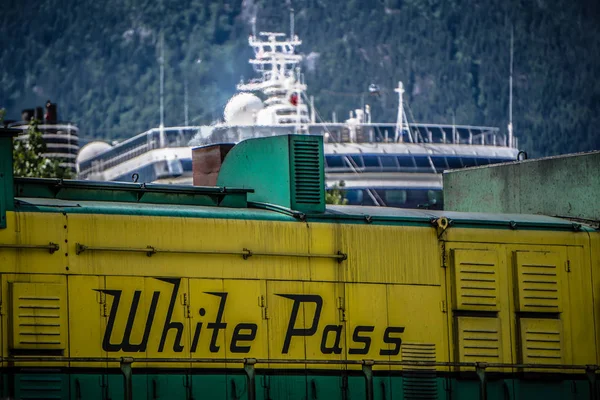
{"points": [[162, 87], [510, 90]]}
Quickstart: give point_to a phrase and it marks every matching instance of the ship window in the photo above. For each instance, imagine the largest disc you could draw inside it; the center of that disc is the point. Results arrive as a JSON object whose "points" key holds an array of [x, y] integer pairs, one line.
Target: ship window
{"points": [[406, 161], [469, 162], [483, 161], [422, 162], [454, 162], [439, 163], [356, 161], [395, 197], [371, 161], [334, 162], [435, 197], [388, 162]]}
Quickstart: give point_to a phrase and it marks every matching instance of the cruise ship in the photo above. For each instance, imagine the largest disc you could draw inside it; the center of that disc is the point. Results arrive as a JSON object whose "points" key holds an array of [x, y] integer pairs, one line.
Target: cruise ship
{"points": [[395, 164]]}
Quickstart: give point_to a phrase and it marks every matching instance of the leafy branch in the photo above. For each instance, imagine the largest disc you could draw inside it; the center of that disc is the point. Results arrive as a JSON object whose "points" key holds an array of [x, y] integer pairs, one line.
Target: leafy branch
{"points": [[28, 159]]}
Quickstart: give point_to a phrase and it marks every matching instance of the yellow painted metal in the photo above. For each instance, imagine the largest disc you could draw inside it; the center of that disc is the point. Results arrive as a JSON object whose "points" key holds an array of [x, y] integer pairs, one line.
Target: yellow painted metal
{"points": [[280, 310], [424, 336], [39, 317], [366, 313], [480, 340], [594, 260], [541, 341], [89, 309], [24, 306], [476, 282], [461, 297], [34, 229], [539, 280], [406, 256]]}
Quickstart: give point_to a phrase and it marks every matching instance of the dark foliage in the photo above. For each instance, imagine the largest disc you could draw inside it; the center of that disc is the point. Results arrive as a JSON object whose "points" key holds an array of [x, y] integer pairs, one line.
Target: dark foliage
{"points": [[99, 61]]}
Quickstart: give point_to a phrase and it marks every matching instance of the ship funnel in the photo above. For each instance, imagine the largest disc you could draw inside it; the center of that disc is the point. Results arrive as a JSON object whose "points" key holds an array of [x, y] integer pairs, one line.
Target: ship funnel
{"points": [[286, 171]]}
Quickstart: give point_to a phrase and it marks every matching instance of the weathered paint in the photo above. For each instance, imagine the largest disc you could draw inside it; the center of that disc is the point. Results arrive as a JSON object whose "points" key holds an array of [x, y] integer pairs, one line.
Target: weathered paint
{"points": [[566, 186], [399, 296]]}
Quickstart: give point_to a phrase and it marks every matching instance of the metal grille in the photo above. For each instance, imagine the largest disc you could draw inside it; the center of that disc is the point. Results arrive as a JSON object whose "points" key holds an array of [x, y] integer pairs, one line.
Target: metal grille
{"points": [[479, 339], [419, 382], [308, 184], [541, 341], [38, 320], [476, 279], [538, 281], [40, 387]]}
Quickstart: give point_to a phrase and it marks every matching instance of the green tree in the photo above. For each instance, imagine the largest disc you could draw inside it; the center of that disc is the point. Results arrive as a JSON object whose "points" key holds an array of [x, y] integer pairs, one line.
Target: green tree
{"points": [[28, 160], [336, 195]]}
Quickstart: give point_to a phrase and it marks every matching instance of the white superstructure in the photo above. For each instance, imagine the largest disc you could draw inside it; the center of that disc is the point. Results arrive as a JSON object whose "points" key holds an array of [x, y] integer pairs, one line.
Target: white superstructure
{"points": [[398, 163]]}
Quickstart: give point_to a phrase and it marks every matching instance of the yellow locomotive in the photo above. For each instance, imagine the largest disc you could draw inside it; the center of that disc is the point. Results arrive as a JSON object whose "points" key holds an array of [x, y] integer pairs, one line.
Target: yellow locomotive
{"points": [[256, 290]]}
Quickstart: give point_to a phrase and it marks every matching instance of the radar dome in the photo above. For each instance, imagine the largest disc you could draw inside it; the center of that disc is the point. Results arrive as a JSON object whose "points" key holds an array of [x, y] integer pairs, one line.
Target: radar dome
{"points": [[91, 150], [242, 108]]}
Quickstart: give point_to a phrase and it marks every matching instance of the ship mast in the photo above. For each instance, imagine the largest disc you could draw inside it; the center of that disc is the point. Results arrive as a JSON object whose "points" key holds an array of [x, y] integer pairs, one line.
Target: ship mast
{"points": [[401, 121], [510, 92], [281, 81]]}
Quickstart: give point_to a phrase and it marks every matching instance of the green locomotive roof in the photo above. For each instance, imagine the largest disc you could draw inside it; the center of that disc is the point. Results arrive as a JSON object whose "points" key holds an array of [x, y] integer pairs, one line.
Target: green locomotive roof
{"points": [[269, 212]]}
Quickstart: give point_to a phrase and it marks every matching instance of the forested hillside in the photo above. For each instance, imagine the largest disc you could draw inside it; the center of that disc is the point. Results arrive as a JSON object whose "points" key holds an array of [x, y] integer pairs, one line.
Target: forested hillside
{"points": [[98, 60]]}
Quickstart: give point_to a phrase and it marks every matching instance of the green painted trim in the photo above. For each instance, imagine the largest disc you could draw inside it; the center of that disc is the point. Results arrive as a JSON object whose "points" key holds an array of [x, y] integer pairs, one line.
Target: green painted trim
{"points": [[130, 192], [232, 384], [6, 173], [150, 210], [266, 212]]}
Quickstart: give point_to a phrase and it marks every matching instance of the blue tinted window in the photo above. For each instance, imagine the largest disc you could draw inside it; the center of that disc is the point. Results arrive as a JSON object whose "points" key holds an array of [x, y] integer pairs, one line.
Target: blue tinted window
{"points": [[371, 161], [388, 161], [422, 161], [356, 160], [334, 161], [439, 163], [406, 161], [469, 162], [454, 162], [186, 163]]}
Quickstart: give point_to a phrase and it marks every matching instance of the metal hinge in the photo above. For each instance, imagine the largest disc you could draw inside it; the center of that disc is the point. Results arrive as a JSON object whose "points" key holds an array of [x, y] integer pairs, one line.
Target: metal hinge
{"points": [[341, 309], [444, 256], [568, 266], [262, 304], [443, 306], [186, 306], [102, 301]]}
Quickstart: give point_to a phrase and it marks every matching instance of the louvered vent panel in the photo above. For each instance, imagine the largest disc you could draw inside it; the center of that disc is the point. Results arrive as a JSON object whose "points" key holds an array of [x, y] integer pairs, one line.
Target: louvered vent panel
{"points": [[41, 387], [38, 316], [538, 274], [479, 339], [419, 381], [541, 341], [476, 279], [308, 185]]}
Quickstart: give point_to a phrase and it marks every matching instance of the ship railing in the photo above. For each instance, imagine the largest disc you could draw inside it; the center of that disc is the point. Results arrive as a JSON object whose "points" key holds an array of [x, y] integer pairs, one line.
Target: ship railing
{"points": [[386, 133], [178, 136], [45, 126]]}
